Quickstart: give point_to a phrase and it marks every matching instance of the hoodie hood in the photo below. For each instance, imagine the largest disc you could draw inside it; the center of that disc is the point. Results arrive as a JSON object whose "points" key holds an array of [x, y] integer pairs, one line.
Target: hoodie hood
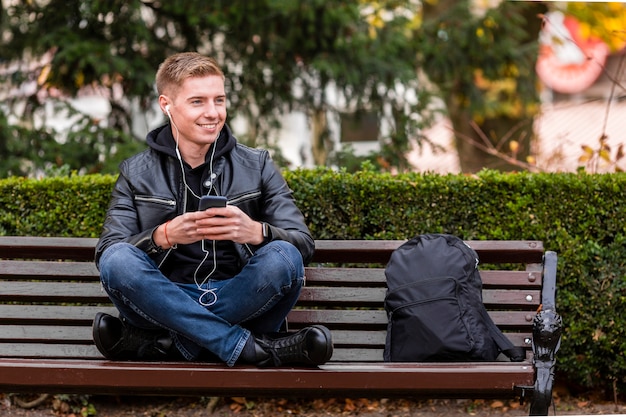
{"points": [[161, 140]]}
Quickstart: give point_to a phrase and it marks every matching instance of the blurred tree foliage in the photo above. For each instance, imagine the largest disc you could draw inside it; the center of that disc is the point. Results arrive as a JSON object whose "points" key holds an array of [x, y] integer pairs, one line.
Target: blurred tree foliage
{"points": [[604, 20], [483, 63], [280, 55]]}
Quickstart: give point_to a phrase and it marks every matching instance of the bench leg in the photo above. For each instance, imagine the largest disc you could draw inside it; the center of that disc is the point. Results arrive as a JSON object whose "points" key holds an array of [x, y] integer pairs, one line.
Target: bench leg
{"points": [[547, 329]]}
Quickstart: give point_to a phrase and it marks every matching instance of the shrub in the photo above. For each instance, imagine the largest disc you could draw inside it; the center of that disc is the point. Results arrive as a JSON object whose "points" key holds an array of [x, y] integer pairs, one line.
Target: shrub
{"points": [[580, 216]]}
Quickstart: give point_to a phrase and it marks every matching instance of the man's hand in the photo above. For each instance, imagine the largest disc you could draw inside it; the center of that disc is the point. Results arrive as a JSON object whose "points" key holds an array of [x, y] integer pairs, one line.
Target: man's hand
{"points": [[228, 223], [219, 223]]}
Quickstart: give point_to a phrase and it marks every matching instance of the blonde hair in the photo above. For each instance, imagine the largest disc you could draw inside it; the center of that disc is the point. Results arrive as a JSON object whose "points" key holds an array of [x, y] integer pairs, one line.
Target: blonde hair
{"points": [[177, 68]]}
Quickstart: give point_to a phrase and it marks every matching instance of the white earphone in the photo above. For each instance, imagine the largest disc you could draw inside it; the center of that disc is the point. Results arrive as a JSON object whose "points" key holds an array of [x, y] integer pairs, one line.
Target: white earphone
{"points": [[167, 110]]}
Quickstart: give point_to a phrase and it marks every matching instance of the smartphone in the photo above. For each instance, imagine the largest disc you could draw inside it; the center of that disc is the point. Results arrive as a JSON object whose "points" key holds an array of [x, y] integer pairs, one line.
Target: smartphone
{"points": [[209, 201]]}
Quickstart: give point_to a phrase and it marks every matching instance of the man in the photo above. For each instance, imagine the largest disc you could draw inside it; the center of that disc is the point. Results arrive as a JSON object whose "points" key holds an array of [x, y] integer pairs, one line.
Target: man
{"points": [[203, 284]]}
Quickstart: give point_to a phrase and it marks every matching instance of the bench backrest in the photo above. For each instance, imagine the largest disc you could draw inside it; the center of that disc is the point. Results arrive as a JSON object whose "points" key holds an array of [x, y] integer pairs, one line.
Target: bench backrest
{"points": [[50, 292]]}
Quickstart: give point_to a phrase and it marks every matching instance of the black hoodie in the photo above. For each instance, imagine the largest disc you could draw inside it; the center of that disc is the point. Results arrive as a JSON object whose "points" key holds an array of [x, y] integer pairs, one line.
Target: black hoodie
{"points": [[195, 261]]}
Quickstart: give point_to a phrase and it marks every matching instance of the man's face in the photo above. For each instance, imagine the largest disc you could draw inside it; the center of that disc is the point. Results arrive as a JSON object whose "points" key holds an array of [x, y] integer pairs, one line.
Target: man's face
{"points": [[199, 110]]}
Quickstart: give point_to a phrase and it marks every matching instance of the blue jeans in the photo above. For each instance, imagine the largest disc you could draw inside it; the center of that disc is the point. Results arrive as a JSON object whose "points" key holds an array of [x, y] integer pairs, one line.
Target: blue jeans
{"points": [[220, 317]]}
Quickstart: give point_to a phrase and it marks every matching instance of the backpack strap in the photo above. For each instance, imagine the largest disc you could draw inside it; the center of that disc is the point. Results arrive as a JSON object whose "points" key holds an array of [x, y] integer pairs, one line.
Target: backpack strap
{"points": [[514, 353]]}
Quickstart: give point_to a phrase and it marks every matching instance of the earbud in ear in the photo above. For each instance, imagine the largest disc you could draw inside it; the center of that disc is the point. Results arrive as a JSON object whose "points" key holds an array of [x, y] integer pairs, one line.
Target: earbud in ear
{"points": [[167, 110]]}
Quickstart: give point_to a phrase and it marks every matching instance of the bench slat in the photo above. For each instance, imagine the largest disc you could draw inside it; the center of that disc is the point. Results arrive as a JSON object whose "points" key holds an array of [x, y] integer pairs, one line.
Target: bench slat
{"points": [[376, 277], [378, 251], [82, 335], [69, 292], [46, 334], [91, 292], [373, 296], [357, 339], [27, 247], [90, 352], [10, 334], [47, 350], [333, 318], [379, 379], [371, 251], [44, 270], [87, 271], [45, 314], [83, 315]]}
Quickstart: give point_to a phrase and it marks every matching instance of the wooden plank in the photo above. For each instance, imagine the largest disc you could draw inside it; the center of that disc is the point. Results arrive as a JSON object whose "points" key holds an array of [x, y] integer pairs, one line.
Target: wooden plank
{"points": [[374, 296], [91, 292], [378, 251], [377, 379], [345, 276], [89, 352], [503, 251], [371, 251], [82, 335], [52, 269], [358, 251], [57, 335], [376, 277], [48, 270], [335, 318], [47, 350], [83, 315], [359, 339], [356, 338], [52, 314], [511, 279], [342, 296], [68, 292], [359, 355], [512, 298], [37, 247], [354, 354], [87, 271], [46, 334]]}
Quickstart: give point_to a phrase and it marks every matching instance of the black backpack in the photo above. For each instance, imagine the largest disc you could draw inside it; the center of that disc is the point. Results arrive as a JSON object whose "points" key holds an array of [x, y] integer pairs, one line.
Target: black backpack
{"points": [[434, 305]]}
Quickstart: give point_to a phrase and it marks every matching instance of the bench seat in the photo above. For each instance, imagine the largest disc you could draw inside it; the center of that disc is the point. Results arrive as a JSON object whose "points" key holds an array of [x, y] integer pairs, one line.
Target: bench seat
{"points": [[333, 379], [50, 293]]}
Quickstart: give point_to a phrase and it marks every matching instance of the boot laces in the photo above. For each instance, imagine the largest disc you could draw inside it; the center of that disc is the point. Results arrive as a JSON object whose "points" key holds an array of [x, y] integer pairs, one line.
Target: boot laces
{"points": [[286, 349], [142, 341]]}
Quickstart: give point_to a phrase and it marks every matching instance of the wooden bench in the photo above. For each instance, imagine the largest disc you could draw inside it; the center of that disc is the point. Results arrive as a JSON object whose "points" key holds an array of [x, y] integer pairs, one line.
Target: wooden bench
{"points": [[50, 292]]}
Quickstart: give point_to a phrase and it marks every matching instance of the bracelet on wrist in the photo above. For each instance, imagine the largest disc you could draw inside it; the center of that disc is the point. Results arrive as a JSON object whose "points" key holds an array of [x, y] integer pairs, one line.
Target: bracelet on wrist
{"points": [[167, 239]]}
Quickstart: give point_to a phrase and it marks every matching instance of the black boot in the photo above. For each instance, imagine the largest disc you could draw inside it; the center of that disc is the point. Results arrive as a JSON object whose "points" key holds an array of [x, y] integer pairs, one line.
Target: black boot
{"points": [[308, 346], [117, 340]]}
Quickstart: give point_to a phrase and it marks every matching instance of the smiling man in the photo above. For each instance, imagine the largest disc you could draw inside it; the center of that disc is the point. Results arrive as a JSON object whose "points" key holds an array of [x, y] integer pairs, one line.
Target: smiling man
{"points": [[214, 284]]}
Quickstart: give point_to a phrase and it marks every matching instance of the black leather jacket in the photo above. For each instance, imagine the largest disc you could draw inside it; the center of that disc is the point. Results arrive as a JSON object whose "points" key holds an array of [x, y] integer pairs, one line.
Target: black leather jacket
{"points": [[149, 191]]}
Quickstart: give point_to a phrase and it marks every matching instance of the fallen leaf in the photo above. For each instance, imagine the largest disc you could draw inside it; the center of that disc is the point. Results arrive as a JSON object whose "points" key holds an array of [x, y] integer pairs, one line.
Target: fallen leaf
{"points": [[497, 404], [349, 405]]}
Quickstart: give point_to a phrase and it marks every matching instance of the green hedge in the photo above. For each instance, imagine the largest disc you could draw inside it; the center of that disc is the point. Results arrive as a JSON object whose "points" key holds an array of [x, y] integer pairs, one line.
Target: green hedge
{"points": [[580, 216]]}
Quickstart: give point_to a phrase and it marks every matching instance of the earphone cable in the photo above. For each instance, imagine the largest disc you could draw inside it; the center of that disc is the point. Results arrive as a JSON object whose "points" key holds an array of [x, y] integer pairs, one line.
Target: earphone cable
{"points": [[206, 252]]}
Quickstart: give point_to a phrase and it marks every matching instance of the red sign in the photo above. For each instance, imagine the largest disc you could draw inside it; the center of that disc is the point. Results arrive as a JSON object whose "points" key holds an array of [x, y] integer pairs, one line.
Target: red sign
{"points": [[568, 62]]}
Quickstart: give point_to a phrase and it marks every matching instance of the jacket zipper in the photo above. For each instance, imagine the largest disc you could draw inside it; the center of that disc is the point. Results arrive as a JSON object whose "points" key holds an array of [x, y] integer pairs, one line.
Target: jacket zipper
{"points": [[244, 197], [170, 203]]}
